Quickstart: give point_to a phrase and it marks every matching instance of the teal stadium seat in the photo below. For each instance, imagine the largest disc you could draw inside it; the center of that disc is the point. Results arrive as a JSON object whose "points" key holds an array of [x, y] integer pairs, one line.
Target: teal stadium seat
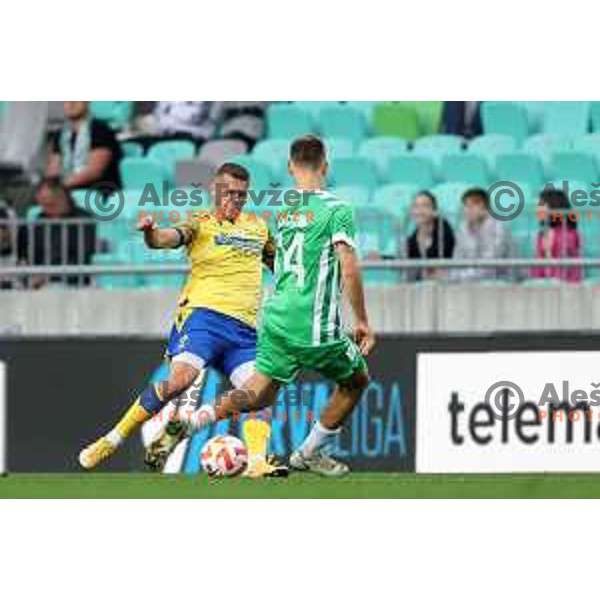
{"points": [[589, 143], [567, 118], [506, 118], [396, 119], [111, 282], [417, 170], [138, 172], [344, 122], [572, 164], [395, 198], [520, 167], [379, 150], [261, 177], [339, 148], [287, 121], [117, 113], [132, 149], [436, 146], [489, 146], [314, 107], [544, 145], [379, 233], [354, 194], [353, 171], [33, 212], [595, 116], [449, 199], [169, 152], [465, 167], [365, 107], [274, 153]]}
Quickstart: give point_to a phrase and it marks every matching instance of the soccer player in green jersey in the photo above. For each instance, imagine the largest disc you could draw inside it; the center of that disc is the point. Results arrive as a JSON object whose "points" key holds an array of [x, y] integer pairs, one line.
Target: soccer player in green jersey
{"points": [[301, 325]]}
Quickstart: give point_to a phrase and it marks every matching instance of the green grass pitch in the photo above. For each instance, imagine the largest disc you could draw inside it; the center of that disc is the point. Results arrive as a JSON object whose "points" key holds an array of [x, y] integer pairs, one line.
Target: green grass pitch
{"points": [[356, 485]]}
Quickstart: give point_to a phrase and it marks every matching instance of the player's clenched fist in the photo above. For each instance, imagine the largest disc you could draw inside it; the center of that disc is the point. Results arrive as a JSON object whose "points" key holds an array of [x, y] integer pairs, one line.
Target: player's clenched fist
{"points": [[364, 338], [146, 224]]}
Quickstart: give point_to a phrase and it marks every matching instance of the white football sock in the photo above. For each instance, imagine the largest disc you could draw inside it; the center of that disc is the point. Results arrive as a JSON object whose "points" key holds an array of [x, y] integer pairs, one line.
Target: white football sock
{"points": [[200, 418], [114, 437], [318, 437]]}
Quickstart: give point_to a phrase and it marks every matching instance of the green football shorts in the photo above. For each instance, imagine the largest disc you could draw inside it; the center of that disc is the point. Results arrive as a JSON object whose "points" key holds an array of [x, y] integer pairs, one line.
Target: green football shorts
{"points": [[282, 360]]}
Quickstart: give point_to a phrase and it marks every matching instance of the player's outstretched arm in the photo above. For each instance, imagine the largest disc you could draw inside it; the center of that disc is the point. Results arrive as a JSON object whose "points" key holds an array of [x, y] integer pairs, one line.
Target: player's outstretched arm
{"points": [[353, 286], [154, 237]]}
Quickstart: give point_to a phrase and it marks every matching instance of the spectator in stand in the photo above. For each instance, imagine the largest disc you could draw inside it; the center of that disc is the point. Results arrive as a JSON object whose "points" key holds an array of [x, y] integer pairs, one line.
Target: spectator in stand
{"points": [[8, 243], [198, 121], [62, 234], [432, 238], [557, 238], [244, 120], [85, 151], [462, 118], [481, 237]]}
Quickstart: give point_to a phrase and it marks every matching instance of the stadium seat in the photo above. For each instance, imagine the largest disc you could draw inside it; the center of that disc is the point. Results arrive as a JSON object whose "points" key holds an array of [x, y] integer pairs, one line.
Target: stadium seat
{"points": [[353, 171], [395, 197], [595, 116], [449, 199], [520, 166], [571, 164], [379, 150], [436, 146], [430, 116], [169, 152], [132, 149], [489, 146], [188, 173], [138, 172], [339, 148], [417, 170], [365, 107], [343, 122], [465, 167], [261, 176], [33, 212], [216, 152], [314, 107], [566, 118], [506, 118], [163, 280], [589, 143], [355, 194], [543, 145], [111, 282], [287, 121], [117, 113], [274, 153], [395, 119]]}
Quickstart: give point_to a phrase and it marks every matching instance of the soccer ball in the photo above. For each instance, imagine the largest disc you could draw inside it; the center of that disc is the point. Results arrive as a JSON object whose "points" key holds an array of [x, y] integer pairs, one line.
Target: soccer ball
{"points": [[224, 456]]}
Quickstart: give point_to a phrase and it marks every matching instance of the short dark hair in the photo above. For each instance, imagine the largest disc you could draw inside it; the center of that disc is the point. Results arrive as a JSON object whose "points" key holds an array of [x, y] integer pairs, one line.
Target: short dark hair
{"points": [[308, 151], [476, 192], [234, 170]]}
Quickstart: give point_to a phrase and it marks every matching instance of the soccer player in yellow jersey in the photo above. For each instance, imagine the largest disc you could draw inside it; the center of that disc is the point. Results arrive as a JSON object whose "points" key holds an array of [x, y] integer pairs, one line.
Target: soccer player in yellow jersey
{"points": [[215, 323]]}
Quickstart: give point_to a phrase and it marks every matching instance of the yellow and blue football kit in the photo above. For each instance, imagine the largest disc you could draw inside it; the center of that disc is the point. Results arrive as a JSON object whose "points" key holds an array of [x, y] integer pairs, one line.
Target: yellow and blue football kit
{"points": [[215, 323]]}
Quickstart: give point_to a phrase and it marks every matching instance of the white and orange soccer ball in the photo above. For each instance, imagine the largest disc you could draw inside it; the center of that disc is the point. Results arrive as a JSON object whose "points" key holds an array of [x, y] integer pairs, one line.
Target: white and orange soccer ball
{"points": [[224, 456]]}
